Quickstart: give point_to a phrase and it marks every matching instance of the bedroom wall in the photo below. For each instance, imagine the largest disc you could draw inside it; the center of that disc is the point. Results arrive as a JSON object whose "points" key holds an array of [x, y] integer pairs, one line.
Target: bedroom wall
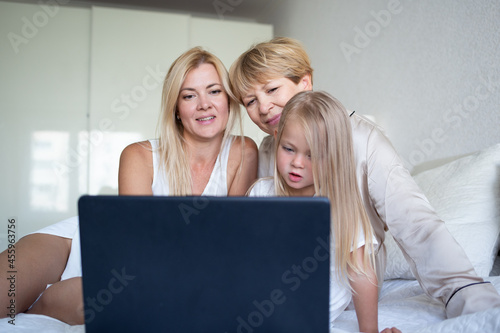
{"points": [[428, 71]]}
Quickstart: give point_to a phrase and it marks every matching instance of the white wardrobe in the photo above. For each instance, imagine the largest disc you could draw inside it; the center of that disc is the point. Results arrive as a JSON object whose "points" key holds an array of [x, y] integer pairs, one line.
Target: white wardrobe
{"points": [[77, 85]]}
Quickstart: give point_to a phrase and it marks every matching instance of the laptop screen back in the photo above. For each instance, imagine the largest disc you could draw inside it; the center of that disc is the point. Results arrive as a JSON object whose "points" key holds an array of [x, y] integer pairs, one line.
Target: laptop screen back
{"points": [[205, 264]]}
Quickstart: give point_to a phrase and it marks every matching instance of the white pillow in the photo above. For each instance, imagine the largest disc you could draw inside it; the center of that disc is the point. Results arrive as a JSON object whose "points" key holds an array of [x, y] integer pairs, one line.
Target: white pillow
{"points": [[466, 194]]}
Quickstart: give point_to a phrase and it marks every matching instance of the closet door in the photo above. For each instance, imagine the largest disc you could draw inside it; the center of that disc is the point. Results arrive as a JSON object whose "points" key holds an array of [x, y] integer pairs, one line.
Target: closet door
{"points": [[79, 84], [43, 107], [131, 51]]}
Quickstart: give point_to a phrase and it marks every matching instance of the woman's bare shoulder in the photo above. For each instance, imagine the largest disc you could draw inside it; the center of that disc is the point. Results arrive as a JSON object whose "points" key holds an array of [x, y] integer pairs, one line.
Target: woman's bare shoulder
{"points": [[242, 165], [138, 150], [244, 143], [135, 174]]}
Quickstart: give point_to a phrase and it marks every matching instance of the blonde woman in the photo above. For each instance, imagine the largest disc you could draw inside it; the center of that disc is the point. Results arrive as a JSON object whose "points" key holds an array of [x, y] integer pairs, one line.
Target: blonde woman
{"points": [[314, 156], [264, 78], [194, 155], [195, 144]]}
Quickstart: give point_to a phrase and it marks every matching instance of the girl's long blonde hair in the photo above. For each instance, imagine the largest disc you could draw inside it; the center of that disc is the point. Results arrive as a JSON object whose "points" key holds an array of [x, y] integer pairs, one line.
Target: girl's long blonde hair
{"points": [[174, 161], [328, 132]]}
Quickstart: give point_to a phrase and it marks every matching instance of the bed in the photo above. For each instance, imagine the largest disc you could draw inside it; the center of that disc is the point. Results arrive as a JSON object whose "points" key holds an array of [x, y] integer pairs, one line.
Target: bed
{"points": [[466, 194]]}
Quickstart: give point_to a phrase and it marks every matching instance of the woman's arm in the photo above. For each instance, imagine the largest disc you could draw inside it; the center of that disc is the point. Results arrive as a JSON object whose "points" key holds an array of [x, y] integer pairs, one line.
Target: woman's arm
{"points": [[135, 174], [365, 296], [242, 169], [401, 204]]}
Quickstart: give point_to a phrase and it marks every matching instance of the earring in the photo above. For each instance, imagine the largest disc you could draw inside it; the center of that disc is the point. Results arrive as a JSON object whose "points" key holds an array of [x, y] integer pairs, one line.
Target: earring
{"points": [[177, 117]]}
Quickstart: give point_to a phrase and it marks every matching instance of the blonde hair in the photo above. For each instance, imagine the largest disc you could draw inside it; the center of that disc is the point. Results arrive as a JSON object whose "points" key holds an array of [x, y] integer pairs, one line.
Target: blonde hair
{"points": [[279, 57], [173, 159], [327, 129]]}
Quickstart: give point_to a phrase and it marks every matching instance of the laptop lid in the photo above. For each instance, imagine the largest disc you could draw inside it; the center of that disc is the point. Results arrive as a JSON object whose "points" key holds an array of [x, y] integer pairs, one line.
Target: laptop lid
{"points": [[205, 264]]}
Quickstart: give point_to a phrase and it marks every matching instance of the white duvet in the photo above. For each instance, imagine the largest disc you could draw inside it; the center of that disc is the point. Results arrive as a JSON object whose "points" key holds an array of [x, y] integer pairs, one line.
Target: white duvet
{"points": [[402, 304]]}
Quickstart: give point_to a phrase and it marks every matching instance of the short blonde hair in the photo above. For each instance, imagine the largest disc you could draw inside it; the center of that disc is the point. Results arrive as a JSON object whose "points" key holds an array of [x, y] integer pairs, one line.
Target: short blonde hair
{"points": [[279, 57], [327, 129], [170, 132]]}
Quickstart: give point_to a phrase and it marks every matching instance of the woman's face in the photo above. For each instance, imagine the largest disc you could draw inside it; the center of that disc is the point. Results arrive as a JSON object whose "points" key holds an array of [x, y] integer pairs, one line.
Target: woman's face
{"points": [[293, 160], [264, 102], [202, 105]]}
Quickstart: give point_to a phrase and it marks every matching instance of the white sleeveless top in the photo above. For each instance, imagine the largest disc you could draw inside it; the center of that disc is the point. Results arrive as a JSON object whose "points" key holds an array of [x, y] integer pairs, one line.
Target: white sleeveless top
{"points": [[216, 186]]}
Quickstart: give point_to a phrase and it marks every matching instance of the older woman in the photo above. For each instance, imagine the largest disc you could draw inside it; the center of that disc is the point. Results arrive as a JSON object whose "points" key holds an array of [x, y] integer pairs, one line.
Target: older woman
{"points": [[265, 78]]}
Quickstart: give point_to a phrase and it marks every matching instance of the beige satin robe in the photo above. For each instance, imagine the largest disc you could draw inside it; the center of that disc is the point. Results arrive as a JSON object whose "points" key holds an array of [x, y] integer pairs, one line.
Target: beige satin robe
{"points": [[394, 201]]}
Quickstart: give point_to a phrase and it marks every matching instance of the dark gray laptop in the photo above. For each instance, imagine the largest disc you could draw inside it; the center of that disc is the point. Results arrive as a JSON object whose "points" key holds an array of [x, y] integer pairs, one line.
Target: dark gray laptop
{"points": [[205, 264]]}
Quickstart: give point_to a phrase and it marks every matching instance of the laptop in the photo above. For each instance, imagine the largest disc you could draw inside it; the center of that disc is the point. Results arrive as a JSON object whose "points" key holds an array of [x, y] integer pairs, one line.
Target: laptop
{"points": [[205, 264]]}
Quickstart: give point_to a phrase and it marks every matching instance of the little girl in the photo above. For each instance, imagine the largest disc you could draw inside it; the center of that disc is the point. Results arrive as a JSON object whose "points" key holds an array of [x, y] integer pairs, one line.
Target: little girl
{"points": [[314, 156]]}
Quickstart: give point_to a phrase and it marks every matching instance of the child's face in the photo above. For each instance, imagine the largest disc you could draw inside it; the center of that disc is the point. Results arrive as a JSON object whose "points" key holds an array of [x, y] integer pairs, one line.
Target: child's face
{"points": [[294, 160], [264, 102]]}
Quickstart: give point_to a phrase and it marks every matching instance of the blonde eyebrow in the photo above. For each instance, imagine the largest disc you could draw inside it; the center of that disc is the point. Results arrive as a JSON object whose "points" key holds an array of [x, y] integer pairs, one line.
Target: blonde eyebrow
{"points": [[248, 96], [287, 143], [213, 84], [207, 87]]}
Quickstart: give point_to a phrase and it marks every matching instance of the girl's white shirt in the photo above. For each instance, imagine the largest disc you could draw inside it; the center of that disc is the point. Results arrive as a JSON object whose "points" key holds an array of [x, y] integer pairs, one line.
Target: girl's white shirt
{"points": [[340, 294]]}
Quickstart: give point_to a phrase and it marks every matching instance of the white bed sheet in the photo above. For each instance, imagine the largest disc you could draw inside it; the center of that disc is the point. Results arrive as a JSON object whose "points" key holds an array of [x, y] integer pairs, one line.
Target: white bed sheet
{"points": [[402, 304]]}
